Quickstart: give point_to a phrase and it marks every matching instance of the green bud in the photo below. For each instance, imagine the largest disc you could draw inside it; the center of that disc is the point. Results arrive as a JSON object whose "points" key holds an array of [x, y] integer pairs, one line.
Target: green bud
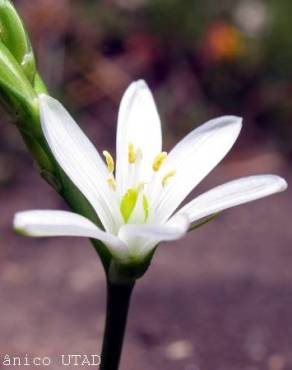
{"points": [[15, 38], [18, 92], [12, 76]]}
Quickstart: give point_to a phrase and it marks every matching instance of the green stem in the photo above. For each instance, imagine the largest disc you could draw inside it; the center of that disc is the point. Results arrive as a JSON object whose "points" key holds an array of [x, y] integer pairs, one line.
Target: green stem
{"points": [[118, 300]]}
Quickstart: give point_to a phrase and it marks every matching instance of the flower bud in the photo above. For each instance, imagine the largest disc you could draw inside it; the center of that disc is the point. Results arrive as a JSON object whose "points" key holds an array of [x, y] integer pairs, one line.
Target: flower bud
{"points": [[14, 36], [17, 91]]}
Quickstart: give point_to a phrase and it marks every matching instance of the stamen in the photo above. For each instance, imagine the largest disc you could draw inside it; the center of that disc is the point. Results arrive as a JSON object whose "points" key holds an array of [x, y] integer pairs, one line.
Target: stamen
{"points": [[158, 160], [112, 183], [109, 161], [131, 153], [145, 207], [167, 177]]}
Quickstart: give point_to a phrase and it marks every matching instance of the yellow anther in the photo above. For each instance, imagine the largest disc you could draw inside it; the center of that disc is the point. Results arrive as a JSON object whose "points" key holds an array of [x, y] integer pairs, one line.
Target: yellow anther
{"points": [[131, 153], [109, 161], [158, 160], [112, 183], [167, 177]]}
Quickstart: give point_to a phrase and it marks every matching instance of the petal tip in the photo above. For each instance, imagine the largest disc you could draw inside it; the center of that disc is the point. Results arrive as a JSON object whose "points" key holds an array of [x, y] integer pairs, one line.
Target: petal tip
{"points": [[236, 120], [139, 85], [140, 82], [236, 123], [227, 121], [282, 183], [16, 220], [19, 224]]}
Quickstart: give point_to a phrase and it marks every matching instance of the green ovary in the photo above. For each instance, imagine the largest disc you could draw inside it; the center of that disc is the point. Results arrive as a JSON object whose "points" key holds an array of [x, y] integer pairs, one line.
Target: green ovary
{"points": [[128, 204]]}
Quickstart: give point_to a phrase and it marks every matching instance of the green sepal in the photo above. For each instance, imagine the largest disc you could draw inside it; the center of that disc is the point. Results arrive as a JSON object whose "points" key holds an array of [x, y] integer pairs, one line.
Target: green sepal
{"points": [[128, 272], [15, 38]]}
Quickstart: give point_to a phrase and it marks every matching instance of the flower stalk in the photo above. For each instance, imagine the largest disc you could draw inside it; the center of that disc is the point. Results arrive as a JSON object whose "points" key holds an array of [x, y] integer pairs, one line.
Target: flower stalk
{"points": [[118, 301]]}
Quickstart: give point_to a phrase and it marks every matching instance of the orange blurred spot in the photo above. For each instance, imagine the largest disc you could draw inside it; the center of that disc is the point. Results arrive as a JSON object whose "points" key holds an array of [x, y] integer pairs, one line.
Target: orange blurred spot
{"points": [[223, 42]]}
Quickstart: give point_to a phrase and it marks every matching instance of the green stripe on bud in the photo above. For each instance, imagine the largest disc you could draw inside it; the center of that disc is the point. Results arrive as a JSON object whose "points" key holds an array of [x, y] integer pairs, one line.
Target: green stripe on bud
{"points": [[128, 203], [15, 38]]}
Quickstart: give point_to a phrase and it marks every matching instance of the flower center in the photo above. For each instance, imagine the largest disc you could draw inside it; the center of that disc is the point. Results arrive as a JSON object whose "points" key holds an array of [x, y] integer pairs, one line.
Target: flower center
{"points": [[134, 202]]}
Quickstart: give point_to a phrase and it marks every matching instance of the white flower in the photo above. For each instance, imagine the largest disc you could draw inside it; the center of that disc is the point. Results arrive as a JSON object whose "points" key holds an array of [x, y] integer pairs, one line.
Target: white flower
{"points": [[136, 199]]}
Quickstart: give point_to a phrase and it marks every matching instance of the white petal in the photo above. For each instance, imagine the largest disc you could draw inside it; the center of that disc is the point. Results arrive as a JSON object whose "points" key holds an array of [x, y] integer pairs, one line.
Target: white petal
{"points": [[233, 194], [79, 160], [139, 124], [192, 159], [143, 237], [62, 223]]}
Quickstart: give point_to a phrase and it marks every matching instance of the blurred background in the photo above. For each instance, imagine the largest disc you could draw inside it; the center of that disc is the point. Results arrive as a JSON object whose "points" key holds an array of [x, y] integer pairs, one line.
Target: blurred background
{"points": [[221, 298]]}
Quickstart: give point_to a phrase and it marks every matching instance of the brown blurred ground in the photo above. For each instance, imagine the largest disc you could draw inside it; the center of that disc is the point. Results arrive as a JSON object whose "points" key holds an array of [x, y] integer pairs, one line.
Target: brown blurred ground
{"points": [[221, 299]]}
